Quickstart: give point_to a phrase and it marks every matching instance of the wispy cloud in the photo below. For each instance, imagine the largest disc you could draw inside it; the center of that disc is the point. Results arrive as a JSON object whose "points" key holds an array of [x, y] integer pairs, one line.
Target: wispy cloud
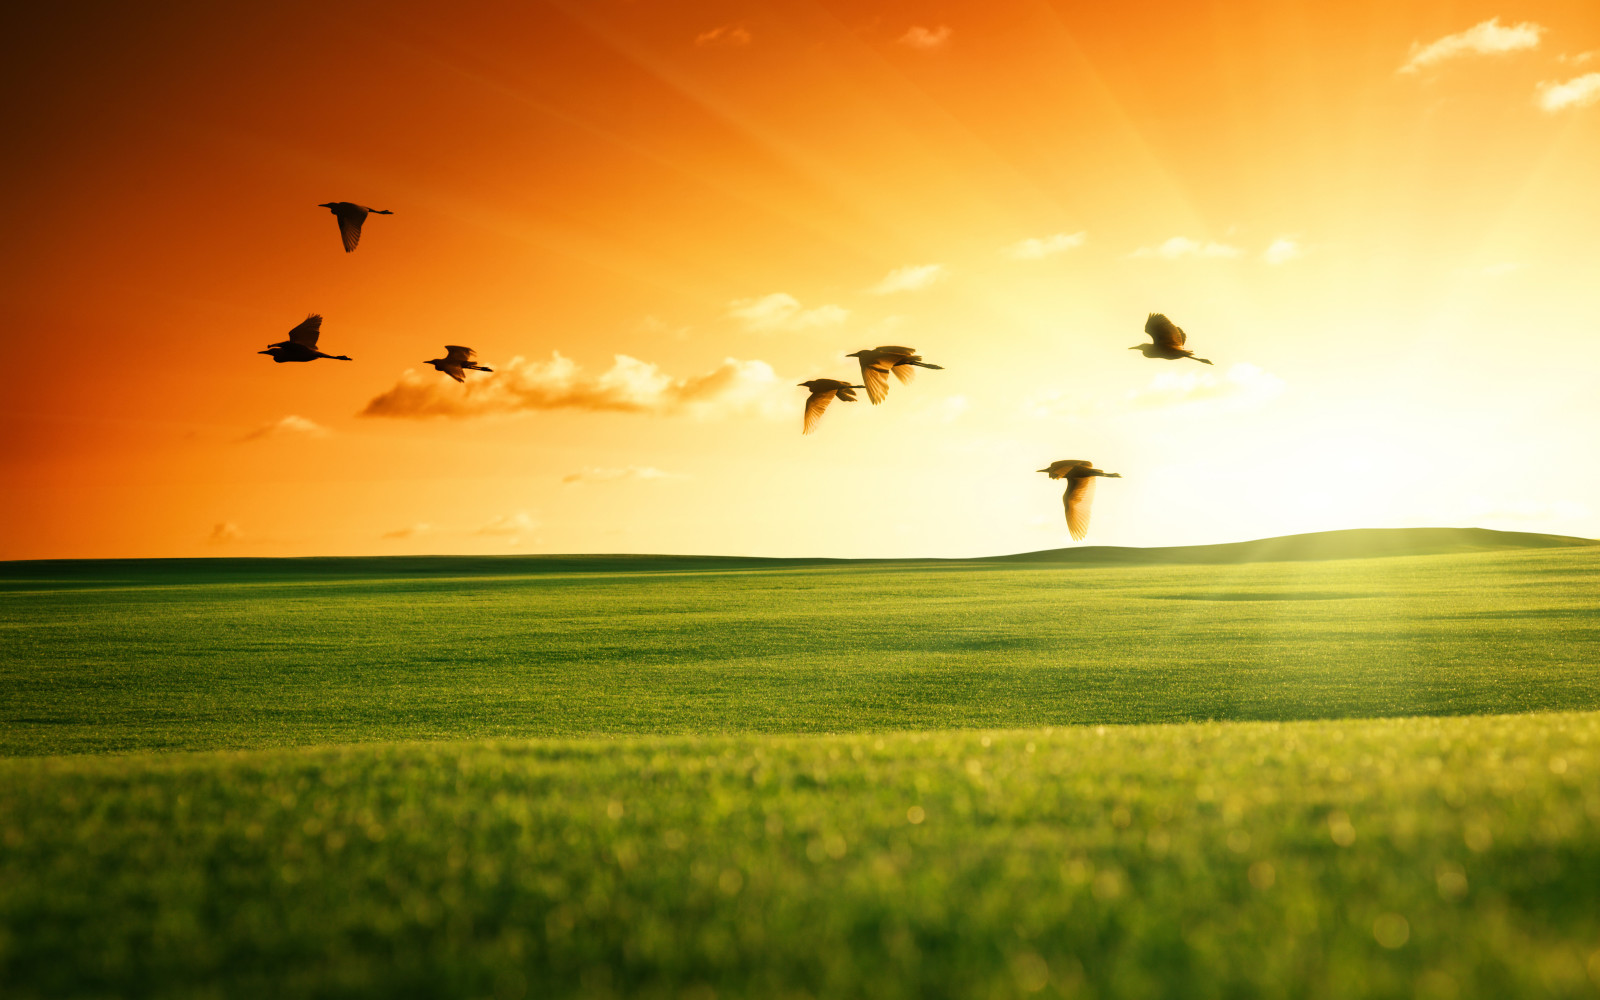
{"points": [[926, 39], [782, 311], [225, 533], [1488, 38], [413, 531], [628, 386], [511, 527], [730, 35], [290, 426], [1243, 386], [908, 279], [1282, 250], [1033, 249], [593, 474], [1578, 92], [1182, 246]]}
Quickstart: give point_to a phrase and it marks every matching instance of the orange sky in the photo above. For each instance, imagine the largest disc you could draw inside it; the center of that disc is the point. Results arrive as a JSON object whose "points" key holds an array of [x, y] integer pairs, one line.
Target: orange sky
{"points": [[1379, 219]]}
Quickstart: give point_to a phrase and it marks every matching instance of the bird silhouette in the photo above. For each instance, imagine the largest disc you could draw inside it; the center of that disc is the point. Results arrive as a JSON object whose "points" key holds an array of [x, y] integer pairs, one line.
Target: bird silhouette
{"points": [[1169, 340], [1080, 475], [302, 344], [877, 363], [823, 392], [351, 216], [455, 359]]}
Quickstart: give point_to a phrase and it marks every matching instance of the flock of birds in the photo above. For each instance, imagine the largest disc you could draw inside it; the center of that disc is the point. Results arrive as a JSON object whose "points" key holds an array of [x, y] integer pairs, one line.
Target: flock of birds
{"points": [[1167, 344]]}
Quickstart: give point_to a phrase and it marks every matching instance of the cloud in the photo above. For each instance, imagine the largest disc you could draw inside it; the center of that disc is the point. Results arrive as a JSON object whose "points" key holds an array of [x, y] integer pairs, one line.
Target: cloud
{"points": [[1243, 386], [628, 386], [593, 474], [782, 311], [225, 532], [948, 410], [1577, 60], [1578, 92], [411, 532], [1282, 250], [1033, 249], [1487, 38], [926, 39], [290, 426], [1182, 246], [729, 35], [511, 527], [908, 279]]}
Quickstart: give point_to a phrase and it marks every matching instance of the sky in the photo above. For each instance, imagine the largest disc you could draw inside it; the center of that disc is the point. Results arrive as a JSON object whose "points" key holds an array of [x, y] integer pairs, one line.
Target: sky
{"points": [[1381, 221]]}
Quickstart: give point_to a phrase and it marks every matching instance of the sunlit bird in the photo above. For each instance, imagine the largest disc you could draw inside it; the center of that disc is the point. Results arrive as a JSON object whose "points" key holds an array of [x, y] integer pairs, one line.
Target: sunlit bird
{"points": [[823, 392], [1169, 340], [1080, 476], [877, 363], [302, 344], [351, 216], [455, 359]]}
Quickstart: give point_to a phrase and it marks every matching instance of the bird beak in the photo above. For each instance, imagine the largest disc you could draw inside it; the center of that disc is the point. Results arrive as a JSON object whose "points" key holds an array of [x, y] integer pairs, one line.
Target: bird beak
{"points": [[1043, 470], [269, 352]]}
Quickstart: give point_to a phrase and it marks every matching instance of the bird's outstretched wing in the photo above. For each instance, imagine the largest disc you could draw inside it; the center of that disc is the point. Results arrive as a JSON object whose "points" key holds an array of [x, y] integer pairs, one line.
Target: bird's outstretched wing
{"points": [[454, 371], [1163, 331], [905, 352], [877, 380], [1077, 498], [459, 354], [905, 373], [306, 333], [350, 219], [816, 403], [1063, 465]]}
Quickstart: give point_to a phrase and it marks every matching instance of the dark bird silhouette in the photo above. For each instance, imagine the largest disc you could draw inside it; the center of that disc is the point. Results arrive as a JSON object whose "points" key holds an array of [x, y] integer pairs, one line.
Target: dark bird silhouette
{"points": [[823, 392], [455, 359], [302, 344], [351, 216], [877, 363], [1169, 340], [1080, 476]]}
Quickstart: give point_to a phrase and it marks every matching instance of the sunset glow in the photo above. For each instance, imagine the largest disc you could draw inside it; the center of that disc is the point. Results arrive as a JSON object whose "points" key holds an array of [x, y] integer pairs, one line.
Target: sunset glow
{"points": [[654, 220]]}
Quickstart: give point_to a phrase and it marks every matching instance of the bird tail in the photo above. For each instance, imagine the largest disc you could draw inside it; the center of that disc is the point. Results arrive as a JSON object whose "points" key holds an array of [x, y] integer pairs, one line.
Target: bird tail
{"points": [[924, 364], [340, 357], [1113, 475], [478, 368], [381, 211]]}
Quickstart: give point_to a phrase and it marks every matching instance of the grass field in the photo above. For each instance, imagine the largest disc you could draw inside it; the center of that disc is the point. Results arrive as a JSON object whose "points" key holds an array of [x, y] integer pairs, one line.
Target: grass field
{"points": [[628, 791]]}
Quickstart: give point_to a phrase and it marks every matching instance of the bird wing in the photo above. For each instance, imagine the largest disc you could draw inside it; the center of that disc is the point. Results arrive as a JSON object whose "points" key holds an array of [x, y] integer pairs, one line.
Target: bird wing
{"points": [[1063, 465], [816, 403], [350, 219], [905, 373], [1077, 498], [457, 353], [1163, 331], [877, 381], [306, 333], [904, 352]]}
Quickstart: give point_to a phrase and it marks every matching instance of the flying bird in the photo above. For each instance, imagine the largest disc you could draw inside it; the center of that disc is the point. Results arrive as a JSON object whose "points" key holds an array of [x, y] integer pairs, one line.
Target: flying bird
{"points": [[1080, 476], [455, 359], [351, 216], [1169, 339], [302, 344], [823, 392], [877, 363]]}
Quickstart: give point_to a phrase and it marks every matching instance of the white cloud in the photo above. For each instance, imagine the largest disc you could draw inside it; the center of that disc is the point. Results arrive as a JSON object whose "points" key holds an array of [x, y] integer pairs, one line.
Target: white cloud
{"points": [[290, 426], [1243, 386], [225, 532], [412, 532], [508, 526], [628, 386], [1487, 38], [731, 35], [1034, 248], [1282, 250], [1578, 92], [1577, 60], [908, 279], [1182, 246], [926, 39], [782, 311], [593, 474]]}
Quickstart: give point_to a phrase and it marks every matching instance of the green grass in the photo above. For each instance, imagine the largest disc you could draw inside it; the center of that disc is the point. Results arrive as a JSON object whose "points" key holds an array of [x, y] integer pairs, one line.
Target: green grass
{"points": [[1023, 797], [1430, 858], [200, 655]]}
